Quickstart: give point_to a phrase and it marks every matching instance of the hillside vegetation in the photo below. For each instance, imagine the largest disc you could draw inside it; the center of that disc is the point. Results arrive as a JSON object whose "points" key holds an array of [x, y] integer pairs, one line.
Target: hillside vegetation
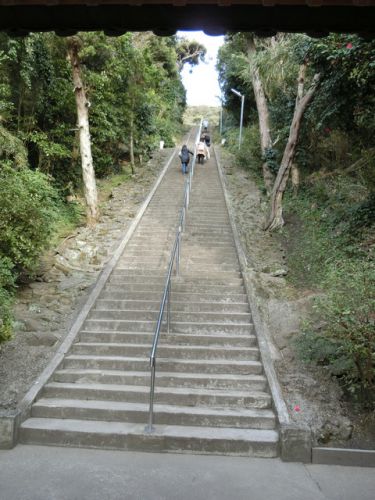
{"points": [[193, 114], [309, 141], [73, 109]]}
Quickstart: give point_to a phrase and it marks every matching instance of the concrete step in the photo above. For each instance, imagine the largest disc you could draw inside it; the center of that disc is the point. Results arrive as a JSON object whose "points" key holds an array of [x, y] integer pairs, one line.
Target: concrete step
{"points": [[131, 437], [209, 217], [204, 225], [167, 351], [213, 206], [161, 246], [221, 234], [156, 272], [169, 338], [164, 414], [164, 379], [195, 224], [141, 262], [156, 232], [179, 287], [162, 233], [202, 298], [181, 316], [210, 259], [159, 273], [121, 278], [186, 267], [208, 245], [193, 220], [146, 252], [209, 254], [153, 305], [209, 229], [164, 364], [124, 279], [208, 238], [181, 396], [107, 325], [163, 253]]}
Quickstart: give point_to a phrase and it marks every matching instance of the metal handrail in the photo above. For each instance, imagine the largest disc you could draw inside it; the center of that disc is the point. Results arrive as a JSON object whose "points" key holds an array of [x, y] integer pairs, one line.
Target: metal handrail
{"points": [[165, 301]]}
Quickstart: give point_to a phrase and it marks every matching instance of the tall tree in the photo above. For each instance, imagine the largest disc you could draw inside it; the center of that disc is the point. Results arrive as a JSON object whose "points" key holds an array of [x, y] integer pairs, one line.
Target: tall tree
{"points": [[88, 173], [189, 52], [263, 112], [302, 102]]}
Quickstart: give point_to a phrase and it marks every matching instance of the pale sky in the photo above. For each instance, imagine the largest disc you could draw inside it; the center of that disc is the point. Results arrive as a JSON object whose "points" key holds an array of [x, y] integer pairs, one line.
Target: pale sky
{"points": [[202, 84]]}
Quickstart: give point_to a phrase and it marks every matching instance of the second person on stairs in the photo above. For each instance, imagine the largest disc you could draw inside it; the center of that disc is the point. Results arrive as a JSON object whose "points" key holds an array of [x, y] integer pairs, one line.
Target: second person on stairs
{"points": [[185, 158], [202, 151]]}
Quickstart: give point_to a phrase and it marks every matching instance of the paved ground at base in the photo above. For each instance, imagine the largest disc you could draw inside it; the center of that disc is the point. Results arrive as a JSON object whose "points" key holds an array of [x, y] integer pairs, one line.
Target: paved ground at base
{"points": [[42, 473]]}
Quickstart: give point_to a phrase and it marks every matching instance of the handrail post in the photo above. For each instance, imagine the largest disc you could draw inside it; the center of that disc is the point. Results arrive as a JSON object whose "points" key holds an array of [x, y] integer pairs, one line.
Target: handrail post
{"points": [[169, 306], [150, 428], [178, 252]]}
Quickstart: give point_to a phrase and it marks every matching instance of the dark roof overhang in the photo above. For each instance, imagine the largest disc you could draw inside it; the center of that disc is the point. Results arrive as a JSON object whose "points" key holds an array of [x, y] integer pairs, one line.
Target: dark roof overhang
{"points": [[265, 17]]}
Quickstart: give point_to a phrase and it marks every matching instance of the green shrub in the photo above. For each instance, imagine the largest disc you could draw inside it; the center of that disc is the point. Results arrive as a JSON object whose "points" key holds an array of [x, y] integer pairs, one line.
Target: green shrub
{"points": [[249, 156], [6, 288], [334, 219], [28, 211], [335, 216], [345, 344], [331, 149]]}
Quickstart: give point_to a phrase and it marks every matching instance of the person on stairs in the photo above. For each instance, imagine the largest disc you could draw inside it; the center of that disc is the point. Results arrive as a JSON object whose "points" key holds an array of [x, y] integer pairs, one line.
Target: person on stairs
{"points": [[185, 158], [207, 140], [202, 151]]}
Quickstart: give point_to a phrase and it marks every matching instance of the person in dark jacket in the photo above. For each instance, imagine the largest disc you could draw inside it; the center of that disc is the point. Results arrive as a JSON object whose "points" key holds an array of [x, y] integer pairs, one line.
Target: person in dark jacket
{"points": [[185, 158]]}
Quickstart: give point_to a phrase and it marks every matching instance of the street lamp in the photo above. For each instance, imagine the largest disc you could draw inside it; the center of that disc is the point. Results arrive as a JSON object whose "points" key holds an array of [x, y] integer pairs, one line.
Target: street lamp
{"points": [[221, 113], [241, 119]]}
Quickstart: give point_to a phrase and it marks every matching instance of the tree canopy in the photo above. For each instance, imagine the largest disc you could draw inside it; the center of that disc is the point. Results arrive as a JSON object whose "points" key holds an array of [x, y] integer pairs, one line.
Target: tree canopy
{"points": [[134, 96], [319, 96]]}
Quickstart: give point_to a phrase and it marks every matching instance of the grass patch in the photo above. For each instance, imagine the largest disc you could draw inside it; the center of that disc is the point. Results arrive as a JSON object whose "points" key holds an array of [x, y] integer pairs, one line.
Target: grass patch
{"points": [[331, 225], [107, 184]]}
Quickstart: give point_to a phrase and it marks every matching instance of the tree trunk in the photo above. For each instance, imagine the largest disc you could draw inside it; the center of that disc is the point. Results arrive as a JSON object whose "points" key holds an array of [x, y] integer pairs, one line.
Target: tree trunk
{"points": [[263, 113], [88, 172], [302, 102], [295, 178], [131, 146]]}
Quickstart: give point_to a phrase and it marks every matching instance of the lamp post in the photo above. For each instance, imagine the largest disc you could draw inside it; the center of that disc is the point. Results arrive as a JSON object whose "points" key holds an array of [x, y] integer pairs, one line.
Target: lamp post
{"points": [[221, 119], [221, 113], [241, 119]]}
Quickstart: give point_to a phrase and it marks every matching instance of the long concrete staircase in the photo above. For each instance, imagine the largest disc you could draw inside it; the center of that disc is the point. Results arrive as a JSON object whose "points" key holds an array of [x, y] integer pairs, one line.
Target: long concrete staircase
{"points": [[211, 393]]}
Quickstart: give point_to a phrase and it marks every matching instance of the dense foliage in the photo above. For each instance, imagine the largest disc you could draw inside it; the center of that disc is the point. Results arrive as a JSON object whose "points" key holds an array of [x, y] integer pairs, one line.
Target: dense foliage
{"points": [[136, 98], [135, 75], [331, 230]]}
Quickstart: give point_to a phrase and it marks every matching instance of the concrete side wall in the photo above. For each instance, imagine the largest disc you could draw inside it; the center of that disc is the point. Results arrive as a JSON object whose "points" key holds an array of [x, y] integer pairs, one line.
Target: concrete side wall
{"points": [[295, 441]]}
